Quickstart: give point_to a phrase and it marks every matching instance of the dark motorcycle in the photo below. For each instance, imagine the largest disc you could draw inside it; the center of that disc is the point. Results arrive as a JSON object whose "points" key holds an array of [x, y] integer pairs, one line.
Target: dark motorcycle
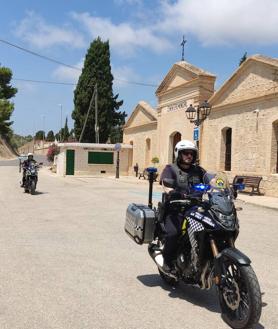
{"points": [[31, 178], [206, 255]]}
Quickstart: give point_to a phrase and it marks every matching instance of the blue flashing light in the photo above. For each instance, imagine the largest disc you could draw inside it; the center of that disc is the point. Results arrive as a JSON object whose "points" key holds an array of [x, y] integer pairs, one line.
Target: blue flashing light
{"points": [[240, 186], [151, 169], [201, 187]]}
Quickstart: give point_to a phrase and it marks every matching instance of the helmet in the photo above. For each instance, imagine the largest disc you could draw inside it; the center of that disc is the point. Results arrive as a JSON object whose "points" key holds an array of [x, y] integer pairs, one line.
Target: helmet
{"points": [[186, 145], [30, 154]]}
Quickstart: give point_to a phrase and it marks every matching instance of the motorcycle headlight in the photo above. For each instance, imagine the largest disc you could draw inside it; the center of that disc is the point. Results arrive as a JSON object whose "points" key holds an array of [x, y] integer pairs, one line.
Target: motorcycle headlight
{"points": [[227, 221]]}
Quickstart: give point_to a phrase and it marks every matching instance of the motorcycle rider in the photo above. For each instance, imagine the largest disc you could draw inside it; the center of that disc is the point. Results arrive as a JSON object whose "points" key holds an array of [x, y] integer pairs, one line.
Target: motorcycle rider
{"points": [[185, 173], [25, 165]]}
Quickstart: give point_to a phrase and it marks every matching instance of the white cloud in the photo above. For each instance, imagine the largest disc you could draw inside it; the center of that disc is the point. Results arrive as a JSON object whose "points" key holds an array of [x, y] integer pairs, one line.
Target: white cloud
{"points": [[123, 38], [34, 30], [25, 86], [222, 22], [123, 74], [67, 74]]}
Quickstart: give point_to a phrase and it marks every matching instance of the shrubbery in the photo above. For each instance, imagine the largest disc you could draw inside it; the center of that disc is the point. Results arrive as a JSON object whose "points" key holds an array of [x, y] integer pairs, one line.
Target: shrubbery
{"points": [[52, 151]]}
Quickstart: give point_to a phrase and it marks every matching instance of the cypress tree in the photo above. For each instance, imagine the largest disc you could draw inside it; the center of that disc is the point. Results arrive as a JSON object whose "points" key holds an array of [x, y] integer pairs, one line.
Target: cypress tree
{"points": [[96, 70], [65, 131]]}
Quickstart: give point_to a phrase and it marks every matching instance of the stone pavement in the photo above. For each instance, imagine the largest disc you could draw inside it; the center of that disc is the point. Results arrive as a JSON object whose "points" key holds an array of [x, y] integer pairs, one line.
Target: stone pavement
{"points": [[258, 200]]}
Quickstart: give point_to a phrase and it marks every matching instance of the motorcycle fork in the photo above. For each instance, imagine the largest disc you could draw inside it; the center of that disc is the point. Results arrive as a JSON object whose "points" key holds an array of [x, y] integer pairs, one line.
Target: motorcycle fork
{"points": [[232, 242], [215, 253]]}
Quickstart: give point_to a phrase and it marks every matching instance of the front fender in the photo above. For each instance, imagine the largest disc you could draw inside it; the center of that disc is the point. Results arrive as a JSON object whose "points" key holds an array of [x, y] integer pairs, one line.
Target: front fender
{"points": [[230, 253]]}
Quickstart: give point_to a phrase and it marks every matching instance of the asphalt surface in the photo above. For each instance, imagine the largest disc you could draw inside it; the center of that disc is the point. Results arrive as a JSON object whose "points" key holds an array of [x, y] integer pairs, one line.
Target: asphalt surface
{"points": [[15, 162], [66, 261]]}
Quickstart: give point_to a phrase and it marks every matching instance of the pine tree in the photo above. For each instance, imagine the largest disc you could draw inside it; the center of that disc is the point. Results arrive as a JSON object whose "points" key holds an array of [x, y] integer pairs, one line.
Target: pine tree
{"points": [[6, 107], [39, 136], [50, 136], [96, 70], [243, 58]]}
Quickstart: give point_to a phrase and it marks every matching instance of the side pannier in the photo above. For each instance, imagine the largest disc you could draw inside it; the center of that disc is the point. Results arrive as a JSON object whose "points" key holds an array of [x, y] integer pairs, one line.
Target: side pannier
{"points": [[140, 223]]}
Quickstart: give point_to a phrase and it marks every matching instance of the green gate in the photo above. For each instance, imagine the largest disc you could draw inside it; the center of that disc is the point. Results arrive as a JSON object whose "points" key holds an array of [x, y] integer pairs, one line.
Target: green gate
{"points": [[70, 162]]}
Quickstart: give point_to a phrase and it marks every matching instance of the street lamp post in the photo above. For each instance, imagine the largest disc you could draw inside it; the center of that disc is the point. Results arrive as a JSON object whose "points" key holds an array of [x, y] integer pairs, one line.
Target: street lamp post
{"points": [[61, 107], [117, 148], [199, 114], [43, 130]]}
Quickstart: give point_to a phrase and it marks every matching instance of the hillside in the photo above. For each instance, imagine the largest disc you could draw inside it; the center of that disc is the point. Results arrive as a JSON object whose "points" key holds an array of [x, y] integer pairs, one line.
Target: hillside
{"points": [[6, 151]]}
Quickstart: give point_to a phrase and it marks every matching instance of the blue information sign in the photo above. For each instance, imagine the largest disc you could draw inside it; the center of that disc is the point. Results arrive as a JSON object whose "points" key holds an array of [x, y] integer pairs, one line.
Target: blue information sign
{"points": [[196, 134]]}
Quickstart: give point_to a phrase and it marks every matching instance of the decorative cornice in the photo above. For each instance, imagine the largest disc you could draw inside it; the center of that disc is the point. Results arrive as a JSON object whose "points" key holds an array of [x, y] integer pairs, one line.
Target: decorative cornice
{"points": [[246, 101], [153, 123]]}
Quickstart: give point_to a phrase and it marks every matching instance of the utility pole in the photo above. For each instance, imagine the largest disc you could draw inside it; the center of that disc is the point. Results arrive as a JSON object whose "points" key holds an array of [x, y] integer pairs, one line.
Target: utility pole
{"points": [[96, 116], [61, 107], [43, 127], [86, 119]]}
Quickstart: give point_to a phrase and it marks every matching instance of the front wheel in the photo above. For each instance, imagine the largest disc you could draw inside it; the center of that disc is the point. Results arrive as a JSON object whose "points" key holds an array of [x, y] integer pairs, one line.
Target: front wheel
{"points": [[240, 296], [33, 187]]}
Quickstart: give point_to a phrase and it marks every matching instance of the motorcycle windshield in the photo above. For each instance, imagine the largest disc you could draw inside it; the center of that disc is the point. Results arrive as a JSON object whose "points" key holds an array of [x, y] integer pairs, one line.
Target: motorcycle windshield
{"points": [[32, 168], [220, 193]]}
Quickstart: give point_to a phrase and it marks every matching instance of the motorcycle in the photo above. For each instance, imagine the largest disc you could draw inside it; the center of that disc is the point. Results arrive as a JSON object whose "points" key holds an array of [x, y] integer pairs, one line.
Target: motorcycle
{"points": [[206, 253], [31, 178]]}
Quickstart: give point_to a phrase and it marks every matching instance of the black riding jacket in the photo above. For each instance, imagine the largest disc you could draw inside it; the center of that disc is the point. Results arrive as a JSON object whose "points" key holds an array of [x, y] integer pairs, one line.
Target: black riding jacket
{"points": [[184, 178]]}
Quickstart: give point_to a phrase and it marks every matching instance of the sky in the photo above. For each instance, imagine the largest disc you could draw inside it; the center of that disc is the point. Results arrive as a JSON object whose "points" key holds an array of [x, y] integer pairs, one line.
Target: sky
{"points": [[144, 37]]}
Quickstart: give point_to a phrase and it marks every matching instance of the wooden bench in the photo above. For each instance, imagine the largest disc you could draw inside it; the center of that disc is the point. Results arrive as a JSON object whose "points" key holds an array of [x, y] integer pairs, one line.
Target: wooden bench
{"points": [[250, 181], [144, 174]]}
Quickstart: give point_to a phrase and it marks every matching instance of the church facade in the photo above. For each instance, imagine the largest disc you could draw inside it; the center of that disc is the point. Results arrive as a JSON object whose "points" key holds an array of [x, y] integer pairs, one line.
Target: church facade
{"points": [[240, 136]]}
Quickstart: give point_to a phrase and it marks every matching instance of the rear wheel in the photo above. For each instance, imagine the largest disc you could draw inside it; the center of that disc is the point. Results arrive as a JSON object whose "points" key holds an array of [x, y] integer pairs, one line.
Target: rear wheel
{"points": [[240, 296]]}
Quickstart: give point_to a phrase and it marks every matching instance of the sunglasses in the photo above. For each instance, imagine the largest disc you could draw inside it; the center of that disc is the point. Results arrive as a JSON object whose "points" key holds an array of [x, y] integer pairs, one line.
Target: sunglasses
{"points": [[187, 153]]}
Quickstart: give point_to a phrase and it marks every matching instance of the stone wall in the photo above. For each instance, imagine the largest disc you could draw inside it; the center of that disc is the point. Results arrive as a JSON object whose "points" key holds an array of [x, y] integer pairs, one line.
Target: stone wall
{"points": [[252, 140], [138, 137]]}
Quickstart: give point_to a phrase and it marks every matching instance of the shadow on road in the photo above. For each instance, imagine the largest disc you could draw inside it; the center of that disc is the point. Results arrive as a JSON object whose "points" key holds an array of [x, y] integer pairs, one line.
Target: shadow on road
{"points": [[204, 298], [37, 193], [193, 295]]}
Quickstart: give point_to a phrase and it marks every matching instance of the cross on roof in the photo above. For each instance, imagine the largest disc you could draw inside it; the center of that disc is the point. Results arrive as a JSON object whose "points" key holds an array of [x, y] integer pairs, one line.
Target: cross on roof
{"points": [[182, 44]]}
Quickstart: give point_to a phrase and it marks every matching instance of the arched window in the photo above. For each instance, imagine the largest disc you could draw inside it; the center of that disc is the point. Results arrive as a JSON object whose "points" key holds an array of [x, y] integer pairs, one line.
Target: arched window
{"points": [[148, 152], [173, 140], [226, 149], [274, 148]]}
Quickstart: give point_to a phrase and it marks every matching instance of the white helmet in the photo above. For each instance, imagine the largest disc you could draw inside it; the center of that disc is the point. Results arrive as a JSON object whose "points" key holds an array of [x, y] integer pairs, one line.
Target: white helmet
{"points": [[30, 154], [185, 145]]}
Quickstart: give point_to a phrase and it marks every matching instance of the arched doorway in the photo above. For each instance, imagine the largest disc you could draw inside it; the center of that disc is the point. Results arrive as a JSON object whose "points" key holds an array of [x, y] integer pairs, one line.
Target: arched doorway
{"points": [[226, 149], [173, 140], [274, 148], [148, 152]]}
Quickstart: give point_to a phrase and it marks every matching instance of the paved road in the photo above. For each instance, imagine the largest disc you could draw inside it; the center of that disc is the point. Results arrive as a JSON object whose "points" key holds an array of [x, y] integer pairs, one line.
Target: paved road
{"points": [[66, 262], [15, 162]]}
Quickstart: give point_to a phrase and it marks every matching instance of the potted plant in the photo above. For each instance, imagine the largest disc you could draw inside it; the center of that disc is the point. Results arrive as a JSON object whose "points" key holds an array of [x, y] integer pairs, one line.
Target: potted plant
{"points": [[155, 160]]}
